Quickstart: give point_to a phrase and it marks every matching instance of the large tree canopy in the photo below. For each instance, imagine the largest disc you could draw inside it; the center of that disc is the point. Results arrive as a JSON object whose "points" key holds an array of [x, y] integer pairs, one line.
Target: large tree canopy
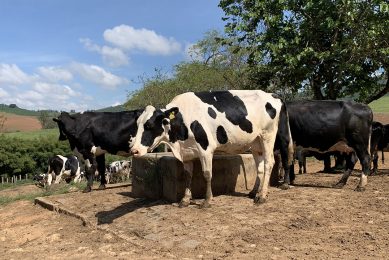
{"points": [[333, 49]]}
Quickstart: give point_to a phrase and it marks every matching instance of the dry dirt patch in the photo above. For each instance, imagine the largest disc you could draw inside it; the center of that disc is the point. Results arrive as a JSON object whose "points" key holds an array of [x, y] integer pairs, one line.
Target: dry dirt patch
{"points": [[20, 123], [310, 221]]}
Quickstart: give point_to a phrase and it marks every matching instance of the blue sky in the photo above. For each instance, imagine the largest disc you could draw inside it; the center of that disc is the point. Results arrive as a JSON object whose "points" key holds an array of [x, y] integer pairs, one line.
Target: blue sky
{"points": [[87, 54]]}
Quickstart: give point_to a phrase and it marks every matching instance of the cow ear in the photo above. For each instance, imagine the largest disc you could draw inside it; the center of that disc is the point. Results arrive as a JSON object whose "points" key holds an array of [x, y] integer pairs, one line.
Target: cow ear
{"points": [[171, 113]]}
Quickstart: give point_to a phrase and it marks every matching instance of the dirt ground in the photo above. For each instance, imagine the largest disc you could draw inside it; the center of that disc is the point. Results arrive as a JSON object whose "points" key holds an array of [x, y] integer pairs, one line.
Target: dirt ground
{"points": [[312, 220], [20, 123]]}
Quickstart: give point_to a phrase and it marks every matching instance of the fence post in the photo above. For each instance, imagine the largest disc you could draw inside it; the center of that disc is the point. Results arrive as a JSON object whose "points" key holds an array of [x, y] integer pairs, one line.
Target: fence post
{"points": [[2, 179], [20, 177], [7, 179]]}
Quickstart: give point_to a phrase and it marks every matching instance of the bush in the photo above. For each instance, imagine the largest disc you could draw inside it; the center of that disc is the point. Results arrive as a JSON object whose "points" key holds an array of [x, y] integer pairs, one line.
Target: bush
{"points": [[28, 156]]}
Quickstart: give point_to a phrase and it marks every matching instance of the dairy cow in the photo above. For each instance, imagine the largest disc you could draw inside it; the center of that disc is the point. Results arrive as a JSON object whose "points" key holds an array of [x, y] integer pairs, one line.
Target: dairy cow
{"points": [[197, 125], [63, 167], [118, 170], [92, 134], [333, 126], [379, 141]]}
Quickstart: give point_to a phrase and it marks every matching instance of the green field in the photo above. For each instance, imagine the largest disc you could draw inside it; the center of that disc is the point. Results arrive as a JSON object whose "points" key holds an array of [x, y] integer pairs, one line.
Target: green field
{"points": [[34, 134], [381, 105]]}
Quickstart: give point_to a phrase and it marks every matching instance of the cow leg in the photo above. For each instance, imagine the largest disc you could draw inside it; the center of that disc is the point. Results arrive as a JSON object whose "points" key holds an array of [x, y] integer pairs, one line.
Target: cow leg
{"points": [[90, 168], [364, 158], [327, 163], [259, 163], [269, 163], [100, 160], [375, 163], [188, 168], [206, 164], [350, 163]]}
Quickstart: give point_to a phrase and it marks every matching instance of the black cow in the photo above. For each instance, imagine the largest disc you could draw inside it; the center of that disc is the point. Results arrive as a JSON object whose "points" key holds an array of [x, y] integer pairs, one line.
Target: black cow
{"points": [[301, 155], [93, 134], [63, 166], [379, 141], [329, 126]]}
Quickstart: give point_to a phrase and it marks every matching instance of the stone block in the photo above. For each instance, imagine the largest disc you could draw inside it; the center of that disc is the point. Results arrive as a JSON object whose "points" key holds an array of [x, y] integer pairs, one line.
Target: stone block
{"points": [[161, 175]]}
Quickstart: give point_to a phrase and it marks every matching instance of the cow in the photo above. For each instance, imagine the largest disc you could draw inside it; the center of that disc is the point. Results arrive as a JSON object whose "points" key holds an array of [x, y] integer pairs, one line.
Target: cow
{"points": [[92, 134], [199, 124], [118, 170], [63, 167], [333, 126], [301, 155], [379, 141]]}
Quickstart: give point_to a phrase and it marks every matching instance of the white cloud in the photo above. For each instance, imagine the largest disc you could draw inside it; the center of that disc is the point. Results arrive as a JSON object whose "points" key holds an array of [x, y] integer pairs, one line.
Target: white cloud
{"points": [[3, 93], [55, 74], [131, 39], [10, 74], [114, 57], [98, 75]]}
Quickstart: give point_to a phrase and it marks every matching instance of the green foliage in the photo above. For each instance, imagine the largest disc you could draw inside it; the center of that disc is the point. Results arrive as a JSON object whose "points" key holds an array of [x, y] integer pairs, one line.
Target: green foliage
{"points": [[28, 156], [215, 66], [331, 49], [46, 119]]}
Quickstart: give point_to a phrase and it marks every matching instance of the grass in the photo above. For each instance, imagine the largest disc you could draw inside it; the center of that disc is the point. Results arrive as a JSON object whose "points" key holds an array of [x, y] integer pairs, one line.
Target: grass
{"points": [[54, 190], [13, 185], [380, 105], [34, 134]]}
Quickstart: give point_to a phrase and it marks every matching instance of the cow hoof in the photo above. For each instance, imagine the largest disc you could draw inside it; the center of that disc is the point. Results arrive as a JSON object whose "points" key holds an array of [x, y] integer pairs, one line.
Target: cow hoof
{"points": [[102, 187], [205, 205], [252, 194], [360, 189], [259, 200], [87, 189], [184, 204], [339, 185], [284, 186]]}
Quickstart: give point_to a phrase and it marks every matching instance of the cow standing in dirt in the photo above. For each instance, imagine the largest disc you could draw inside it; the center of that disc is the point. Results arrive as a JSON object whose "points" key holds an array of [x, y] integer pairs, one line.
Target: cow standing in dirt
{"points": [[197, 125]]}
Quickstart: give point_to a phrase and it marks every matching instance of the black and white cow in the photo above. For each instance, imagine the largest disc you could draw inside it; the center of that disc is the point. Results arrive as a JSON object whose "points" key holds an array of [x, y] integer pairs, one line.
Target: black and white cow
{"points": [[197, 125], [333, 126], [93, 134], [118, 170], [63, 167]]}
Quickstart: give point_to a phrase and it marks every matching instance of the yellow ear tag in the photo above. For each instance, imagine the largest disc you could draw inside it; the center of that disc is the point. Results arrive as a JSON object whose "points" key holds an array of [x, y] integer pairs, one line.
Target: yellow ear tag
{"points": [[171, 115]]}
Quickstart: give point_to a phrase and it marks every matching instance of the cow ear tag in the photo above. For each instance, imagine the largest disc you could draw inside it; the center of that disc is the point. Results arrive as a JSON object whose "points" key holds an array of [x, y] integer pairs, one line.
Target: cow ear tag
{"points": [[171, 116]]}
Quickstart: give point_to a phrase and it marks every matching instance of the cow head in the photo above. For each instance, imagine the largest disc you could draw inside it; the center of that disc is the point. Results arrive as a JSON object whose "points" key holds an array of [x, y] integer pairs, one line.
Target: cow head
{"points": [[153, 128], [65, 123]]}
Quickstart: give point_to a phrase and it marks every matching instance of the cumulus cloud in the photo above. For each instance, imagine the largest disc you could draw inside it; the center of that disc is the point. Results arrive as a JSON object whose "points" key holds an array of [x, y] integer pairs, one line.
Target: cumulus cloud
{"points": [[98, 75], [114, 57], [131, 39], [11, 74], [3, 93], [55, 74]]}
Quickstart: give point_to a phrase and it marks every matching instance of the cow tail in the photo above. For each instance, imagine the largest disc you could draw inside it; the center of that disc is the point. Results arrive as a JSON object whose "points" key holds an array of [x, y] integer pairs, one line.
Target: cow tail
{"points": [[285, 128]]}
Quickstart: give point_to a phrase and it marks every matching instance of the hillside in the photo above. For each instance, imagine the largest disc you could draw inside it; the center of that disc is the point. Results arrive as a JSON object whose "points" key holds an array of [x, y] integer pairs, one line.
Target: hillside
{"points": [[20, 123], [17, 110]]}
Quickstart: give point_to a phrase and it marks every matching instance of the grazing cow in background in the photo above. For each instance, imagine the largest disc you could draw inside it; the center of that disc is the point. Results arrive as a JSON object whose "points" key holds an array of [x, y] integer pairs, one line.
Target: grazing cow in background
{"points": [[66, 167], [197, 125], [118, 170], [92, 134], [333, 126]]}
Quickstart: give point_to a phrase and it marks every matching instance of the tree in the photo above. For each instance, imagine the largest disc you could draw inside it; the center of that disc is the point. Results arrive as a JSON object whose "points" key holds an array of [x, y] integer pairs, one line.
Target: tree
{"points": [[45, 118], [332, 49], [214, 66]]}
